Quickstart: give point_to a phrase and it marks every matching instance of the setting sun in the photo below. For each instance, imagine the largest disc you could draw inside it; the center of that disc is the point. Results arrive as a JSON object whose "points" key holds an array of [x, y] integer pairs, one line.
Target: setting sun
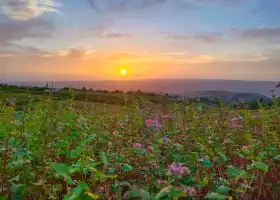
{"points": [[123, 72]]}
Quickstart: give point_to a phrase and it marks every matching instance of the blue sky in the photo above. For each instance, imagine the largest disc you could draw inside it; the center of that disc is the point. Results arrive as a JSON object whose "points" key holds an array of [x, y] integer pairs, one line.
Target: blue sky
{"points": [[94, 39]]}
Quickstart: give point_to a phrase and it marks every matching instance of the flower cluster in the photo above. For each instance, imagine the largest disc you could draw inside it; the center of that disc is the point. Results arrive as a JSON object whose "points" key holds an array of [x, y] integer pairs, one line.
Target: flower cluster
{"points": [[236, 123], [178, 169], [152, 124], [138, 145]]}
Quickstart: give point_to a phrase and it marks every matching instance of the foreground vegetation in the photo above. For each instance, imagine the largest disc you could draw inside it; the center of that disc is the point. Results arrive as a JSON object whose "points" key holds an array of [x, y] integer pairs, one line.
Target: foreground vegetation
{"points": [[54, 150]]}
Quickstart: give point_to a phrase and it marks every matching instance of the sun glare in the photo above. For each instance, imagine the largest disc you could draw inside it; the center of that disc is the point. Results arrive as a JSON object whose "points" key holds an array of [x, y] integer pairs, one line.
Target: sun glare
{"points": [[123, 72]]}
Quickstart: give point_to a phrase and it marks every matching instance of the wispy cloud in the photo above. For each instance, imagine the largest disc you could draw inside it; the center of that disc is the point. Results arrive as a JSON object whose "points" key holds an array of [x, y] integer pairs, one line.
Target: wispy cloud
{"points": [[202, 37], [13, 31], [124, 5], [257, 57], [173, 35], [27, 9], [116, 35], [176, 53], [207, 37], [263, 33]]}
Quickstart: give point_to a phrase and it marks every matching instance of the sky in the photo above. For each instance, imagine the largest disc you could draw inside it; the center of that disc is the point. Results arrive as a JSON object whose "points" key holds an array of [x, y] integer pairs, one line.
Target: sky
{"points": [[42, 40]]}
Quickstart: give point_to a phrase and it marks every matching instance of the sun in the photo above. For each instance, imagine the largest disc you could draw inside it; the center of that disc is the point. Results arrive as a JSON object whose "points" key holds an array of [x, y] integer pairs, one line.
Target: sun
{"points": [[123, 72]]}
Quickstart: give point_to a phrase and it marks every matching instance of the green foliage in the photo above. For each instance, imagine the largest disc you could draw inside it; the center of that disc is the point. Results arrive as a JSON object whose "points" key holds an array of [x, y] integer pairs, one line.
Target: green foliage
{"points": [[53, 149], [215, 196]]}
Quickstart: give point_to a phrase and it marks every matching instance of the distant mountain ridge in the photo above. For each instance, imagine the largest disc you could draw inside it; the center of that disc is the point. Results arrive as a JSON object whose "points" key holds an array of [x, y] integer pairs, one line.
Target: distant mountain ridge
{"points": [[174, 86], [226, 95]]}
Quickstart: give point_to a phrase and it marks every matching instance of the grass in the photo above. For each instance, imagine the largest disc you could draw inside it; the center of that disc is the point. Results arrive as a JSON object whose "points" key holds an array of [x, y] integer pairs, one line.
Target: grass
{"points": [[82, 150]]}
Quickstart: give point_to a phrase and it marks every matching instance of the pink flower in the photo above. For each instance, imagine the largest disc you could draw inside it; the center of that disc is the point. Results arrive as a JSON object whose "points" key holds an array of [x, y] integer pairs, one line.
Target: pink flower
{"points": [[190, 191], [12, 105], [178, 169], [153, 164], [27, 161], [245, 147], [115, 132], [138, 145], [152, 124], [235, 126]]}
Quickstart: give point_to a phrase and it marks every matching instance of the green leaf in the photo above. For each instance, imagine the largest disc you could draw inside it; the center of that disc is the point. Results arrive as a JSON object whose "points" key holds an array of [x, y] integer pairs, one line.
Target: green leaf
{"points": [[16, 178], [194, 157], [11, 141], [243, 174], [16, 191], [206, 163], [205, 181], [104, 158], [61, 144], [60, 168], [175, 156], [164, 192], [176, 193], [78, 192], [127, 168], [277, 157], [223, 156], [137, 192], [89, 139], [216, 196], [260, 166], [5, 197], [66, 177], [233, 171], [228, 140], [76, 152], [224, 189]]}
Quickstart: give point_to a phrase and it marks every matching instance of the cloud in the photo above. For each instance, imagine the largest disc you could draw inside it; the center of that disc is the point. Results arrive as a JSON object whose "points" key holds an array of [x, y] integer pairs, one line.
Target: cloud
{"points": [[166, 58], [257, 57], [173, 35], [176, 53], [14, 31], [15, 50], [27, 9], [125, 5], [115, 35], [263, 33], [95, 30], [207, 37], [202, 37], [122, 5], [77, 52]]}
